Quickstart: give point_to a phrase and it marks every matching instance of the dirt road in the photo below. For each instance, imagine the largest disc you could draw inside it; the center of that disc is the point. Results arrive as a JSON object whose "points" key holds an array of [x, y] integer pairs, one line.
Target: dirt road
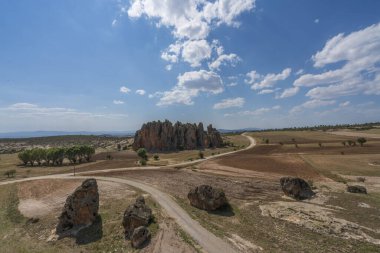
{"points": [[207, 240]]}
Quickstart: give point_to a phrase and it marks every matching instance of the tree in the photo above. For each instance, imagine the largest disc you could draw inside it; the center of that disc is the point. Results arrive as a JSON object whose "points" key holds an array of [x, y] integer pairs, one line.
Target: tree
{"points": [[72, 154], [141, 152], [156, 157], [118, 147], [24, 156], [361, 141], [89, 151]]}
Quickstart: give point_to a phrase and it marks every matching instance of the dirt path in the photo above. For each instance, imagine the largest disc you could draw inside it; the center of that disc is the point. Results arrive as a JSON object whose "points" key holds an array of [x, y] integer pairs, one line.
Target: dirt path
{"points": [[207, 240]]}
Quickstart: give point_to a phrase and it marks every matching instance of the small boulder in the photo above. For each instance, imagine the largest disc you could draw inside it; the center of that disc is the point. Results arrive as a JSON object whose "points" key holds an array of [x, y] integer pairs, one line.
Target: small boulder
{"points": [[296, 188], [207, 198], [139, 236], [136, 215], [357, 189], [80, 210]]}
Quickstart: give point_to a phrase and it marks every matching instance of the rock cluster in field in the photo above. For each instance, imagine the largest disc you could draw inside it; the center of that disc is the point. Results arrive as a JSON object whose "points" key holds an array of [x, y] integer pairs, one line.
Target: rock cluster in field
{"points": [[357, 189], [296, 188], [135, 221], [164, 136], [207, 198], [80, 210]]}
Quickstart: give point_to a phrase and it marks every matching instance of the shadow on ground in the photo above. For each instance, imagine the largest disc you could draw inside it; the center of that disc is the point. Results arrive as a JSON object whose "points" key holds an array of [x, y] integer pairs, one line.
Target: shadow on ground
{"points": [[226, 211], [92, 233]]}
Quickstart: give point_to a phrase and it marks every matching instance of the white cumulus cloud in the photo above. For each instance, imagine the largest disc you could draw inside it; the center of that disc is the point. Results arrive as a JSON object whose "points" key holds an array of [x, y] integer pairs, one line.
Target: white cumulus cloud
{"points": [[359, 52], [289, 92], [195, 51], [269, 80], [140, 92], [190, 85], [125, 90], [224, 59]]}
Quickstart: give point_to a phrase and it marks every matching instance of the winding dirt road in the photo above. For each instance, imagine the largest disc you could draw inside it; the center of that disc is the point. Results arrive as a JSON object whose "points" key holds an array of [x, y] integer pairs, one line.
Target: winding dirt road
{"points": [[207, 240]]}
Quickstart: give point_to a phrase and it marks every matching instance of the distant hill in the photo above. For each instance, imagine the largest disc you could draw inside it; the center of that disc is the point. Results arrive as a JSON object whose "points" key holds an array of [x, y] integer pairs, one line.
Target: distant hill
{"points": [[32, 134], [227, 131]]}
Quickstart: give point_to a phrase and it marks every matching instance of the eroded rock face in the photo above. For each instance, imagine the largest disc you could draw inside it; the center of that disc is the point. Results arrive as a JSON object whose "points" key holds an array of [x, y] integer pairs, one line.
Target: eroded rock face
{"points": [[164, 136], [80, 210], [207, 198], [136, 215], [357, 189], [296, 188], [139, 236]]}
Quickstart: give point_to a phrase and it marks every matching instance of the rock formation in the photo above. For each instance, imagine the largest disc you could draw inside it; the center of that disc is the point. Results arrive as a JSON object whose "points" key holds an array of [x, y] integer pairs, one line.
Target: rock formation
{"points": [[80, 210], [136, 215], [139, 236], [164, 136], [357, 189], [207, 198], [296, 188]]}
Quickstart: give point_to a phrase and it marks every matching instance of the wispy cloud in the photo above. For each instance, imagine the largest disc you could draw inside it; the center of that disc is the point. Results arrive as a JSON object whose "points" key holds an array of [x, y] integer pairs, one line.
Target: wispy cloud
{"points": [[230, 102]]}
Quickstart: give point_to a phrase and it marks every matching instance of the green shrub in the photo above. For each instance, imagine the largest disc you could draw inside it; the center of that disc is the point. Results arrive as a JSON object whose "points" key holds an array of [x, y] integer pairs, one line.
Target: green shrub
{"points": [[141, 152], [201, 155], [156, 157], [142, 162]]}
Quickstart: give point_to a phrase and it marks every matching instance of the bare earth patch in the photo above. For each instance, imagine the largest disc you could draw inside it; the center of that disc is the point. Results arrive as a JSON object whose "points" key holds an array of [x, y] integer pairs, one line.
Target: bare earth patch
{"points": [[243, 245], [318, 219], [168, 241], [41, 197]]}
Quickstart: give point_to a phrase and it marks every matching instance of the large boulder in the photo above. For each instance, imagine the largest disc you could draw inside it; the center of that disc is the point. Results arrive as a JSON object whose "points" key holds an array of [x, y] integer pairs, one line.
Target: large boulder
{"points": [[207, 198], [139, 236], [80, 210], [296, 188], [164, 136], [136, 215], [357, 189]]}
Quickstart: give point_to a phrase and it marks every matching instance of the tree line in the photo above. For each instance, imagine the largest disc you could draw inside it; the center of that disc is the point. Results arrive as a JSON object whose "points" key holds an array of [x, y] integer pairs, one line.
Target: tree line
{"points": [[358, 127], [55, 156]]}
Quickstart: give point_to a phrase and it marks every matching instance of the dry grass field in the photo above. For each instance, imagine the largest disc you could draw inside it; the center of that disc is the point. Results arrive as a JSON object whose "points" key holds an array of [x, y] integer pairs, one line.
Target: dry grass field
{"points": [[44, 199], [259, 218], [244, 224], [119, 159]]}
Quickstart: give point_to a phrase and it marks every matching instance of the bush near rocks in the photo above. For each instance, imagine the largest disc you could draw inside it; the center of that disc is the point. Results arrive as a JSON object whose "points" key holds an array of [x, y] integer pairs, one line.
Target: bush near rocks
{"points": [[357, 189], [207, 198], [296, 188]]}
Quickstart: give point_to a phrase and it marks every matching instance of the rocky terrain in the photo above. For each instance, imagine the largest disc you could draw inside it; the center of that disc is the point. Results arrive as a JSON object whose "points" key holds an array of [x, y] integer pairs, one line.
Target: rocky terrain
{"points": [[164, 136]]}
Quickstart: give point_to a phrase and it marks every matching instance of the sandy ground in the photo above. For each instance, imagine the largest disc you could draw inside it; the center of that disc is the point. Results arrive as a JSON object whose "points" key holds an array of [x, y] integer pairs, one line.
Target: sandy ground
{"points": [[355, 134], [42, 197], [319, 219], [167, 241]]}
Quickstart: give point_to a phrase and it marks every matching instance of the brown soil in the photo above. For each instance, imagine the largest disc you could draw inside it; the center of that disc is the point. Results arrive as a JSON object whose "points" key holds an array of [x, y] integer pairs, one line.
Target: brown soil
{"points": [[272, 165], [179, 182]]}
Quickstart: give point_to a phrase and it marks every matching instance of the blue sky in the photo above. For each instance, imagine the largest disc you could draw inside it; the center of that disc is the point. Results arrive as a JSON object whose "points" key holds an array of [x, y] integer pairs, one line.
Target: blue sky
{"points": [[112, 65]]}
